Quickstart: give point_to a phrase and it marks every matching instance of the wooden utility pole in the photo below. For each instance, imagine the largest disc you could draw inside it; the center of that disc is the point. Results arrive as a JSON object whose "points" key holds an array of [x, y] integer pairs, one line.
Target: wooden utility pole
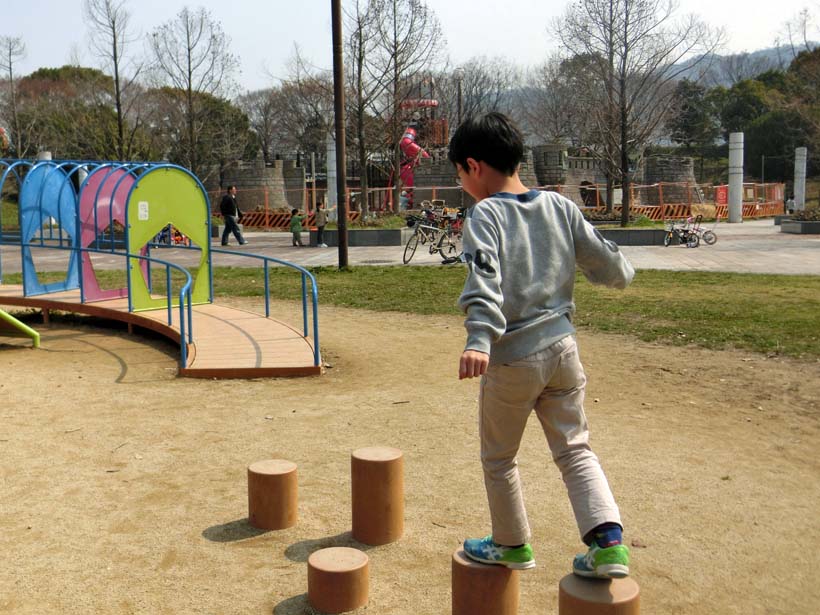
{"points": [[339, 112]]}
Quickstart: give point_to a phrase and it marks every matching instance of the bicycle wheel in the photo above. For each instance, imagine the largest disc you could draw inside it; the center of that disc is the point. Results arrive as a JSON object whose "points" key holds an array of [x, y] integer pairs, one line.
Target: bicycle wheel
{"points": [[435, 241], [410, 248], [456, 247], [693, 241], [667, 239], [709, 237], [449, 247]]}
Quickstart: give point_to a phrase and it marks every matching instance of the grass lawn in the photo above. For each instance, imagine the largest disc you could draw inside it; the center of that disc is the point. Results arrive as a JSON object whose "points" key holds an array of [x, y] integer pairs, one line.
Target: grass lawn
{"points": [[772, 314]]}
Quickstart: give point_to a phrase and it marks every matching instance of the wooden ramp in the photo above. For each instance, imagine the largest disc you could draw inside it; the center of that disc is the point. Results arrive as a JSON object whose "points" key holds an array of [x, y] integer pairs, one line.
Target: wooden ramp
{"points": [[227, 342]]}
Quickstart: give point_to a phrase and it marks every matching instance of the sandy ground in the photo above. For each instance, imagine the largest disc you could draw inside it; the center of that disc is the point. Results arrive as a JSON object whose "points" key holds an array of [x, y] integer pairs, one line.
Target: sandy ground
{"points": [[123, 488]]}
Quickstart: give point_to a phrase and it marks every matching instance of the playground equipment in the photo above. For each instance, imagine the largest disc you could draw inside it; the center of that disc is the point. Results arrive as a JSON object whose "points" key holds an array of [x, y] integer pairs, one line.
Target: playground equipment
{"points": [[272, 494], [377, 485], [95, 209], [579, 596], [479, 588], [9, 325], [423, 129], [338, 579]]}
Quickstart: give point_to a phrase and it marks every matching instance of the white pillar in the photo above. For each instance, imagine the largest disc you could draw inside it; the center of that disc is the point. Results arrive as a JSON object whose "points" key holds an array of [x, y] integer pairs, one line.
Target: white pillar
{"points": [[331, 201], [736, 177], [44, 155], [800, 156]]}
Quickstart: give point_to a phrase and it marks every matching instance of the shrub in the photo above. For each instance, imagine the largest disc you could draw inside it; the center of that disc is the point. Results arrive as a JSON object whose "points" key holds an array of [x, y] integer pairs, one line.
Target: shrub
{"points": [[812, 214]]}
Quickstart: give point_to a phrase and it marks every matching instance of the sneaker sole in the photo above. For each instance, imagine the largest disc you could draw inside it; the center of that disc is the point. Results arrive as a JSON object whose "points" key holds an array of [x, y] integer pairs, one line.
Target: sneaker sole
{"points": [[607, 571], [512, 565]]}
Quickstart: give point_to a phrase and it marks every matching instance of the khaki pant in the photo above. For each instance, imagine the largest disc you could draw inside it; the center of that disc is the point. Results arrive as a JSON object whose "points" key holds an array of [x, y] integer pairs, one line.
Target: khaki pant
{"points": [[552, 383]]}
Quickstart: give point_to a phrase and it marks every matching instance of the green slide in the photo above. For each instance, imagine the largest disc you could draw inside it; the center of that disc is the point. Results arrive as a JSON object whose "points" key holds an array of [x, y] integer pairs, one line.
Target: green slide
{"points": [[9, 322]]}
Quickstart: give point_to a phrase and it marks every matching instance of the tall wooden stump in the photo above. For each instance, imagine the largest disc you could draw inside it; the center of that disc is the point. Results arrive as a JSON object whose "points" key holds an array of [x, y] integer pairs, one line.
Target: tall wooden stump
{"points": [[377, 482], [481, 588], [272, 494], [338, 579], [580, 596]]}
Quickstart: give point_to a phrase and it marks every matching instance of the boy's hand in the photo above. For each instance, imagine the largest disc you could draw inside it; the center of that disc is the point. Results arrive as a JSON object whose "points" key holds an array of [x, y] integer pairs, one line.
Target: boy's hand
{"points": [[473, 363]]}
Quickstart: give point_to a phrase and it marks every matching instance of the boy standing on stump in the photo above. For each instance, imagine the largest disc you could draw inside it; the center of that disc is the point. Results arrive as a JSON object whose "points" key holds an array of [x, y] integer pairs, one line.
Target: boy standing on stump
{"points": [[522, 247]]}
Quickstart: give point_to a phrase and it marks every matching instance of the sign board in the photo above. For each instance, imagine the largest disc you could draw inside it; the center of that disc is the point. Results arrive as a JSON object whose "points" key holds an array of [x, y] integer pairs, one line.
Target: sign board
{"points": [[142, 211], [721, 195]]}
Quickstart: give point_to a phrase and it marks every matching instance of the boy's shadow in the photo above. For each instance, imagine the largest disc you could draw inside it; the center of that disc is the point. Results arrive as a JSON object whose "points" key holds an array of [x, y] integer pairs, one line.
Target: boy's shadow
{"points": [[232, 531], [300, 551]]}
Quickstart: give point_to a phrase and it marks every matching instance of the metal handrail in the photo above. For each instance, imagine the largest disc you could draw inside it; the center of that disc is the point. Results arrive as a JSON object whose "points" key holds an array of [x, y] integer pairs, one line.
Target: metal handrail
{"points": [[305, 276], [184, 291]]}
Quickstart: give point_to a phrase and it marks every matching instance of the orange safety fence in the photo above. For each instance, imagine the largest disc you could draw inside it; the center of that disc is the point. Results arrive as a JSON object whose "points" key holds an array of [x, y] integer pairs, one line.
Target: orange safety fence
{"points": [[266, 208], [665, 201]]}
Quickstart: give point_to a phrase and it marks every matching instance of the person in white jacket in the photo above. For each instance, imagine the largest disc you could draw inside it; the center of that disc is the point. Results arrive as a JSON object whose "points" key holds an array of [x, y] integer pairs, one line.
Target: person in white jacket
{"points": [[522, 248]]}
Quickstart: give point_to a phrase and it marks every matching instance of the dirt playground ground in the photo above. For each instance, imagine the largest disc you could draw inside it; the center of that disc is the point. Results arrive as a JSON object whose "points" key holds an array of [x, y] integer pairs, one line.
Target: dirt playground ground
{"points": [[123, 487]]}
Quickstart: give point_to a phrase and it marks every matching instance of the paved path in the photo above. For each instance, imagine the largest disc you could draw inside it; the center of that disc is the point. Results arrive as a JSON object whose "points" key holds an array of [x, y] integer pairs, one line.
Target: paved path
{"points": [[754, 246]]}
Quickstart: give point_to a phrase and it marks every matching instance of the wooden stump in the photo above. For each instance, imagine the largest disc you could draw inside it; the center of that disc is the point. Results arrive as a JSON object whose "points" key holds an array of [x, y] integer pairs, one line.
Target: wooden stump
{"points": [[272, 494], [482, 588], [581, 596], [377, 483], [338, 579]]}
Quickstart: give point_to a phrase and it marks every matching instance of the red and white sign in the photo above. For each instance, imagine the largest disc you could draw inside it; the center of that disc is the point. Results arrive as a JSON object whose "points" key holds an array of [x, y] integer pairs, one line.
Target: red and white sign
{"points": [[721, 195]]}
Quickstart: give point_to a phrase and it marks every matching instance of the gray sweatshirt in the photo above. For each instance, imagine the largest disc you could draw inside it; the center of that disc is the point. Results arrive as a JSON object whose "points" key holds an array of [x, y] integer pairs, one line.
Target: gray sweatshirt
{"points": [[521, 252]]}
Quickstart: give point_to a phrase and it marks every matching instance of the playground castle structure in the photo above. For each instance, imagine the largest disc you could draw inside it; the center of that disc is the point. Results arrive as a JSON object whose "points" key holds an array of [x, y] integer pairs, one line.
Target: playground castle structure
{"points": [[89, 208]]}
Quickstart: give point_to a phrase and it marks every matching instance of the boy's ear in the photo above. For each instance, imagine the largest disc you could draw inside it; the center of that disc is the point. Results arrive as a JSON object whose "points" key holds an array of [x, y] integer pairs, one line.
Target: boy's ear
{"points": [[473, 166]]}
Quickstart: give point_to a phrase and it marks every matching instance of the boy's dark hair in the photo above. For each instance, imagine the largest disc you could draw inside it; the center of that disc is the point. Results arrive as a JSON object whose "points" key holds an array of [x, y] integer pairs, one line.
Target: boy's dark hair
{"points": [[491, 137], [293, 212], [229, 188]]}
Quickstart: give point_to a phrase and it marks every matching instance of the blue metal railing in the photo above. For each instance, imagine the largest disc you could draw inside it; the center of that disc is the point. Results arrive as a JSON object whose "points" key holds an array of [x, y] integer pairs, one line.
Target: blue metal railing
{"points": [[314, 294], [186, 329]]}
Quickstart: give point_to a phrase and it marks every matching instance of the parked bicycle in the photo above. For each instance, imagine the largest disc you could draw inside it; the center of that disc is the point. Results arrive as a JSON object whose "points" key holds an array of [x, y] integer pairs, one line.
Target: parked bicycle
{"points": [[441, 233], [689, 233]]}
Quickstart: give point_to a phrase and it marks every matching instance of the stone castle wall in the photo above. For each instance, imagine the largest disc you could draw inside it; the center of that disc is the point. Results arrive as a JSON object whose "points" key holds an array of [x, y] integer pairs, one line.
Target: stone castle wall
{"points": [[553, 167], [283, 181], [669, 170], [439, 173]]}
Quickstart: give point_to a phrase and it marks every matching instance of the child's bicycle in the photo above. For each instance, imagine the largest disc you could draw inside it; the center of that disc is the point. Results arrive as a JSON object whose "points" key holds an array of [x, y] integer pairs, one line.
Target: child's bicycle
{"points": [[690, 233]]}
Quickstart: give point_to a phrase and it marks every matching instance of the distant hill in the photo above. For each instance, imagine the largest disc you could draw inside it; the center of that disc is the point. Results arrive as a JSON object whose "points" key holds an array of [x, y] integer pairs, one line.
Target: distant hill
{"points": [[726, 70]]}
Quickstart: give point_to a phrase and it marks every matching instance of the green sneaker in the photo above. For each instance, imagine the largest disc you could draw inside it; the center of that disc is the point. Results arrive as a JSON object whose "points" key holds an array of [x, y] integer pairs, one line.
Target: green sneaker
{"points": [[603, 563], [486, 551]]}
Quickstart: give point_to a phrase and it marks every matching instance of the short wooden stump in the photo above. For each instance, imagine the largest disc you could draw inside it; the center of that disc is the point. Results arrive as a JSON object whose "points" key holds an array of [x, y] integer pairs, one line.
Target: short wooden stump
{"points": [[481, 588], [272, 494], [377, 483], [580, 596], [338, 579]]}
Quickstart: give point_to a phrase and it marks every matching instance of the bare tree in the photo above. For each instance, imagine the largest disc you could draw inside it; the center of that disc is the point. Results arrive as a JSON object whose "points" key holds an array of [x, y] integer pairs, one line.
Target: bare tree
{"points": [[550, 107], [263, 114], [736, 67], [13, 49], [307, 112], [636, 48], [192, 54], [365, 85], [479, 85], [109, 20], [408, 45], [799, 30]]}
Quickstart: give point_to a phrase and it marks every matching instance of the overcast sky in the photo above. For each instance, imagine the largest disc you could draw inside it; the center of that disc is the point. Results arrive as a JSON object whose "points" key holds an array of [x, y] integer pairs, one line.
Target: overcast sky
{"points": [[263, 32]]}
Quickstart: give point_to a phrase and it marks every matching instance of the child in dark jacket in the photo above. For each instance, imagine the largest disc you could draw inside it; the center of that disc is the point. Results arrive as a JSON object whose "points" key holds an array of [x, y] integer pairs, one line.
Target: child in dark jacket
{"points": [[296, 227]]}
